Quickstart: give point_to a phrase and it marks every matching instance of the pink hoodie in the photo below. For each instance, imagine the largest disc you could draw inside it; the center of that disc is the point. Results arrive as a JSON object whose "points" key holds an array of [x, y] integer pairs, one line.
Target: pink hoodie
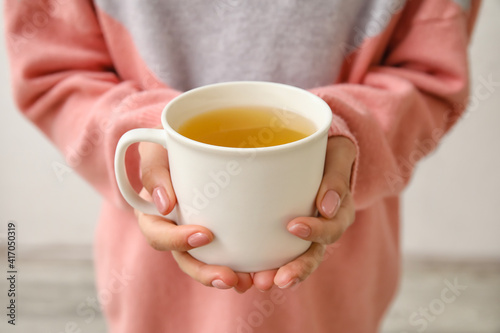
{"points": [[78, 74]]}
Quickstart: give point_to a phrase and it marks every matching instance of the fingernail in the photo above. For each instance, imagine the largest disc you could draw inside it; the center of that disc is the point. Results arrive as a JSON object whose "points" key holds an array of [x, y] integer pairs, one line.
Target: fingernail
{"points": [[198, 239], [160, 199], [219, 284], [300, 230], [330, 203], [290, 284]]}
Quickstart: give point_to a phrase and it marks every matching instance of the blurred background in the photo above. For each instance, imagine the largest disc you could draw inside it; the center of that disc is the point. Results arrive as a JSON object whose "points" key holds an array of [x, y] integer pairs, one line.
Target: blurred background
{"points": [[450, 231]]}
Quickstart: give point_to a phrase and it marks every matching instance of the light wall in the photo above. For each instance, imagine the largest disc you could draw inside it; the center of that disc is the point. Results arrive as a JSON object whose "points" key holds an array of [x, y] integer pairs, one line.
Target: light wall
{"points": [[451, 208]]}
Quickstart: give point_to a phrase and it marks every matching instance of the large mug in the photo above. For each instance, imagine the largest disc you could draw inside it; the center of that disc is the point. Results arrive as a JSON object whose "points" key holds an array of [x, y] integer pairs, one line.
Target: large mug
{"points": [[245, 196]]}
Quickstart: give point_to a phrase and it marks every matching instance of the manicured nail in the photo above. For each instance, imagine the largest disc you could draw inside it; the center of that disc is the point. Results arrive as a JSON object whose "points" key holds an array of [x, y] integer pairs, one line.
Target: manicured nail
{"points": [[198, 239], [219, 284], [330, 203], [290, 283], [300, 230], [160, 199]]}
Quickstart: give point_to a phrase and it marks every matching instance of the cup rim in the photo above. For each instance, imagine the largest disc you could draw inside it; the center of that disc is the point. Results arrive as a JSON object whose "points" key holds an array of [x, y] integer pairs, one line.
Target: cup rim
{"points": [[321, 130]]}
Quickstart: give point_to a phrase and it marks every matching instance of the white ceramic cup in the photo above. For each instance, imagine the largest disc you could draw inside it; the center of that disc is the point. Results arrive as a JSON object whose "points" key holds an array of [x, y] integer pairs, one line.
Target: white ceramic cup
{"points": [[245, 196]]}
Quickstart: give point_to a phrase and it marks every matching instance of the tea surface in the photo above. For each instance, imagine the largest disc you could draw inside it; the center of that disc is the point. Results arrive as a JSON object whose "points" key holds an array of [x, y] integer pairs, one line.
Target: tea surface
{"points": [[247, 127]]}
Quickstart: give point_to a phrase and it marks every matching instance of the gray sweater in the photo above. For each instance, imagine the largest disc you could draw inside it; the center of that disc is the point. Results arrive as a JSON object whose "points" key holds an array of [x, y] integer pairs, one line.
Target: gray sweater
{"points": [[189, 43]]}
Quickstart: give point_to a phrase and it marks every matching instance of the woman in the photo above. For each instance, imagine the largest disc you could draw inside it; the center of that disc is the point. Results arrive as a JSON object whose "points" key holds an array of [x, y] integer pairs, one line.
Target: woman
{"points": [[395, 75]]}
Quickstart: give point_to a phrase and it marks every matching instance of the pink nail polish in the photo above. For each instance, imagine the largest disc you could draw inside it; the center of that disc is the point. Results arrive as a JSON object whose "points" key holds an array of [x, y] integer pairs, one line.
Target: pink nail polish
{"points": [[300, 230], [198, 239], [290, 284], [160, 199], [219, 284], [330, 203]]}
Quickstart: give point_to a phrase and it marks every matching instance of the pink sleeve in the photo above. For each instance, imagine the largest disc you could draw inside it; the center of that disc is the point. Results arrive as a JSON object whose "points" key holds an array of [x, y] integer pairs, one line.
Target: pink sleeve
{"points": [[400, 106], [64, 81]]}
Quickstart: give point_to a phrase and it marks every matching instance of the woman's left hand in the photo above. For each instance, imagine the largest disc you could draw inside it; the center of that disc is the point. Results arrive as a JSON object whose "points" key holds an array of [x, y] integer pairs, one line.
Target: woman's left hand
{"points": [[336, 208]]}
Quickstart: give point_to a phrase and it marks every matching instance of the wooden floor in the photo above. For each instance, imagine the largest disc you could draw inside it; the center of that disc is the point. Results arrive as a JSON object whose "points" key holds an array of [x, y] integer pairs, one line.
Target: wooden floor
{"points": [[435, 297]]}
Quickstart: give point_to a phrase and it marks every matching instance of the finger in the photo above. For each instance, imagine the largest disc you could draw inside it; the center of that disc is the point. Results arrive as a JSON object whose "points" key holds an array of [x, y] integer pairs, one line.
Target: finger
{"points": [[165, 235], [220, 277], [340, 156], [322, 230], [299, 269], [264, 280], [155, 176], [245, 282]]}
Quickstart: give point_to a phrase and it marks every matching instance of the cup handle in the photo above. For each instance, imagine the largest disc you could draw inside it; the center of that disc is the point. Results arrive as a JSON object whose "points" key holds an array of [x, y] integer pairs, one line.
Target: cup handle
{"points": [[134, 136]]}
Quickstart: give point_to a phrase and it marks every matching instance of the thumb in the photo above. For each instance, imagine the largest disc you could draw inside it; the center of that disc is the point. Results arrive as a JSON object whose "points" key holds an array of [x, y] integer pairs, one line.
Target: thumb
{"points": [[340, 156], [155, 176]]}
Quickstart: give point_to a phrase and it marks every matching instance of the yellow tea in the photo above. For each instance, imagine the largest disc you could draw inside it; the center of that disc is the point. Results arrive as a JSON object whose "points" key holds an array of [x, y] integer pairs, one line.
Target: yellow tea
{"points": [[247, 127]]}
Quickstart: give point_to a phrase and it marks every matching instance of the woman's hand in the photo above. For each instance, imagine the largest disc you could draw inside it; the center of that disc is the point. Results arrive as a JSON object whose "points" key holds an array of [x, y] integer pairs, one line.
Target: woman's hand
{"points": [[336, 208], [164, 235], [334, 203]]}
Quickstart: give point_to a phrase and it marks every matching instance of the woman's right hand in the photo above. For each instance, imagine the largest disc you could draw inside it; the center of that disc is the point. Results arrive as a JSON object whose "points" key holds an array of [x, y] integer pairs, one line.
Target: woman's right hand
{"points": [[165, 235]]}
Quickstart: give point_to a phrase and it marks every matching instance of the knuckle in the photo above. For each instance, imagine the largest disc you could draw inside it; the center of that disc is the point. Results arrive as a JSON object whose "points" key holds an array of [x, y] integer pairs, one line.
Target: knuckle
{"points": [[341, 184], [147, 172], [169, 244], [175, 242], [155, 244], [309, 264], [303, 267], [319, 252], [335, 180], [202, 275], [330, 239], [332, 235]]}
